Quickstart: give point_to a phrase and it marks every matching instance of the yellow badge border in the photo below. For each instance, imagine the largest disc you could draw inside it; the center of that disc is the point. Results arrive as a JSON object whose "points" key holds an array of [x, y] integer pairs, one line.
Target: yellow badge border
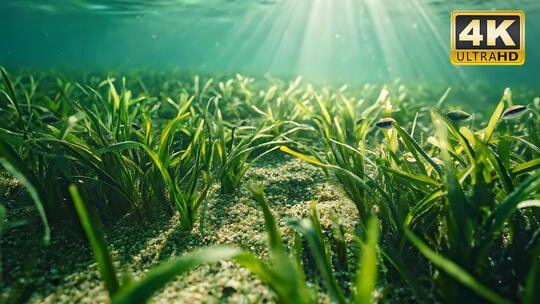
{"points": [[521, 50]]}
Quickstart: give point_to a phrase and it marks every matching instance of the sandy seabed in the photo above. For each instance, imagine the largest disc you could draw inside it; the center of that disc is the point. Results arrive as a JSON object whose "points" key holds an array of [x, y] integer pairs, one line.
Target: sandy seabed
{"points": [[66, 273]]}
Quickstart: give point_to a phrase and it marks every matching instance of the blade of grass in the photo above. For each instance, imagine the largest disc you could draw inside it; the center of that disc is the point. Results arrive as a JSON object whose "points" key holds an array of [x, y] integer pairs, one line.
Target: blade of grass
{"points": [[311, 232], [504, 209], [528, 204], [155, 279], [97, 242], [302, 156], [366, 275], [15, 165], [528, 143], [413, 146], [271, 228], [418, 179], [438, 117], [443, 98], [454, 270], [284, 274], [531, 287], [526, 167], [10, 95], [493, 121], [496, 164], [438, 192], [356, 178], [460, 219], [2, 217], [324, 111]]}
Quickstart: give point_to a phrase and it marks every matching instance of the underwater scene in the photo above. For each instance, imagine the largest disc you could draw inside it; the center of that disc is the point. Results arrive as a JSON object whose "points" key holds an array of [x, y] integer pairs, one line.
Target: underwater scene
{"points": [[266, 151]]}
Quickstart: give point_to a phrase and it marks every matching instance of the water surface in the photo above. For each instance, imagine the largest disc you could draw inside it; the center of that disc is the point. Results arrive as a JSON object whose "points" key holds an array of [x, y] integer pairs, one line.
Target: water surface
{"points": [[364, 40]]}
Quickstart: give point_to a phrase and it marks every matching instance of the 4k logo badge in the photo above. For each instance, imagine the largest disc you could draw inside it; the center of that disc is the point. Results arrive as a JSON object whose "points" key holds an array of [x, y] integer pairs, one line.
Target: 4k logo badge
{"points": [[488, 37]]}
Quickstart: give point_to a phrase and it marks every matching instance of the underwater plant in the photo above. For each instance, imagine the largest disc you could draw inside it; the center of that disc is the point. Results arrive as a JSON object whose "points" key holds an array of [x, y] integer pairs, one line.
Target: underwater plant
{"points": [[130, 291], [233, 147], [285, 274], [365, 276], [442, 183], [446, 200]]}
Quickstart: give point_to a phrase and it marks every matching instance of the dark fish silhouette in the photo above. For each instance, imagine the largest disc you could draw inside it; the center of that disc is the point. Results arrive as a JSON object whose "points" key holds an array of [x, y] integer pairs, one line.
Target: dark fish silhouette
{"points": [[513, 112], [458, 115], [50, 119], [385, 123], [135, 126]]}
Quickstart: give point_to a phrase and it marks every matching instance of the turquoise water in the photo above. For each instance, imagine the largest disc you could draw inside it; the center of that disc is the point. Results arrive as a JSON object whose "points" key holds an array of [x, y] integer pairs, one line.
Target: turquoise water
{"points": [[365, 40]]}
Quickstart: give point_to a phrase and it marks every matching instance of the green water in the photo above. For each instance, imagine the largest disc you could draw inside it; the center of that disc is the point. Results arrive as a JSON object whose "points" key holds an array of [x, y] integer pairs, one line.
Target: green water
{"points": [[128, 116], [358, 40]]}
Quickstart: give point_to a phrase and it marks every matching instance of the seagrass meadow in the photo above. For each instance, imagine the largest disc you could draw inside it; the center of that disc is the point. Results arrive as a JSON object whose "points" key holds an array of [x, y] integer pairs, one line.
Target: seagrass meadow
{"points": [[266, 151], [136, 186]]}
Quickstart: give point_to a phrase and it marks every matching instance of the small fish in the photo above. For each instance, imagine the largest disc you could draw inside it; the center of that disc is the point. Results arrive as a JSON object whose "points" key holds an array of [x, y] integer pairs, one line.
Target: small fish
{"points": [[385, 123], [513, 112], [359, 121], [50, 119], [458, 116], [135, 126]]}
